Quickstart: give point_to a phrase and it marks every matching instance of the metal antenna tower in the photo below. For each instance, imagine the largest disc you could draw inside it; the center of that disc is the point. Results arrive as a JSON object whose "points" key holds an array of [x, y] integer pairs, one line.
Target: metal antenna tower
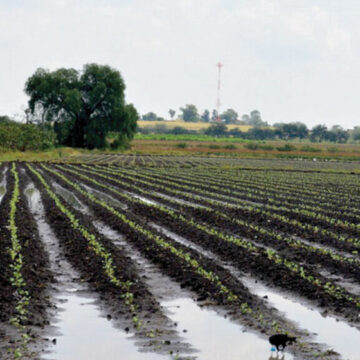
{"points": [[218, 102]]}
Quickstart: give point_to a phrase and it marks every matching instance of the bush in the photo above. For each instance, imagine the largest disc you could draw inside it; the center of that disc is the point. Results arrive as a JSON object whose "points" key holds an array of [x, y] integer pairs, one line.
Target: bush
{"points": [[308, 148], [252, 146], [23, 137], [332, 149], [214, 146], [230, 147], [266, 147], [286, 147], [181, 145]]}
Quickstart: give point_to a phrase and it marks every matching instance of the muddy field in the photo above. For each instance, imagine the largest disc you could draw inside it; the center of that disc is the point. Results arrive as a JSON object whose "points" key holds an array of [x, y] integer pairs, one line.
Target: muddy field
{"points": [[169, 258]]}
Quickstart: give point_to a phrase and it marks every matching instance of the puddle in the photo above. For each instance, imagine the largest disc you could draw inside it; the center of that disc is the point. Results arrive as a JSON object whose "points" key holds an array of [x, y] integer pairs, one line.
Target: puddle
{"points": [[334, 333], [352, 287], [3, 183], [104, 197], [180, 201], [322, 246], [80, 329], [88, 336], [136, 196], [2, 190], [70, 198], [337, 335], [215, 337]]}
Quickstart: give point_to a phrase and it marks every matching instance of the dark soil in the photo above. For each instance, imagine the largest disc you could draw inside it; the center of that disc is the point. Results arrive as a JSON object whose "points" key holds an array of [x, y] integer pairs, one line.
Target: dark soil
{"points": [[257, 264]]}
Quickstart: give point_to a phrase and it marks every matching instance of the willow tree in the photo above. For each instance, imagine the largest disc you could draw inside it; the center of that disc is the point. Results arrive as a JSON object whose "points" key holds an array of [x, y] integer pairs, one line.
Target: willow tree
{"points": [[83, 106]]}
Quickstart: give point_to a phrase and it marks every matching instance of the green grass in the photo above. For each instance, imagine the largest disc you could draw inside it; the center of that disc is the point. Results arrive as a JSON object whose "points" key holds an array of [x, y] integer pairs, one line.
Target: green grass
{"points": [[52, 154]]}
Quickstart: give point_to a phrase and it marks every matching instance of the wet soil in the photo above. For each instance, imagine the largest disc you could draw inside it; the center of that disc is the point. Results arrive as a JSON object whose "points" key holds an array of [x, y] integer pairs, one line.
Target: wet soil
{"points": [[183, 274], [257, 264]]}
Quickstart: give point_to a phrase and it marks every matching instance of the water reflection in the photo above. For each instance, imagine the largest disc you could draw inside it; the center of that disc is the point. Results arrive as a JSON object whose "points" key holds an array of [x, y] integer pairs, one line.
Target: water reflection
{"points": [[216, 337], [277, 357], [88, 336], [337, 335]]}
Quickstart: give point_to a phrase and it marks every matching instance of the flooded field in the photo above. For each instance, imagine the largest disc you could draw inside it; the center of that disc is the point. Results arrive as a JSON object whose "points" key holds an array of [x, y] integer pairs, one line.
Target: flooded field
{"points": [[138, 261]]}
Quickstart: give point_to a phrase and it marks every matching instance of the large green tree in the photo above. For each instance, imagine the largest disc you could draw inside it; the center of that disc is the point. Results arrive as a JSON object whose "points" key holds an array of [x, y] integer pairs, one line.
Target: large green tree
{"points": [[84, 106]]}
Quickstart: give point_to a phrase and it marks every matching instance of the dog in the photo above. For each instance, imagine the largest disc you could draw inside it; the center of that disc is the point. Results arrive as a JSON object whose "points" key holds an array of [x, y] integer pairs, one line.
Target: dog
{"points": [[280, 341]]}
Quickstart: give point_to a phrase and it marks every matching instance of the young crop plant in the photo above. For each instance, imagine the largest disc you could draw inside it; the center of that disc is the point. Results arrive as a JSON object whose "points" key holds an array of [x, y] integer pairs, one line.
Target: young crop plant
{"points": [[17, 281], [96, 247], [336, 291], [162, 243]]}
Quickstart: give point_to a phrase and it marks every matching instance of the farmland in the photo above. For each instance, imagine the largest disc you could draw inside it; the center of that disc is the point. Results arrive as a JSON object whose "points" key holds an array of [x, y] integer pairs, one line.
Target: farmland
{"points": [[187, 125], [135, 232]]}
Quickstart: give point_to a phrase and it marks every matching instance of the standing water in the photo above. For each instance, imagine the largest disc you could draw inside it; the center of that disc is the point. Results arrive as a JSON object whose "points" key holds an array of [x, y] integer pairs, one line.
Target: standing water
{"points": [[336, 334], [82, 332], [213, 336]]}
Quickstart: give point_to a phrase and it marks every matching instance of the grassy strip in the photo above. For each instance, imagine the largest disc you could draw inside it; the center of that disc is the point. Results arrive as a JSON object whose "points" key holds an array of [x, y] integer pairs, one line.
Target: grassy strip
{"points": [[328, 287], [96, 247]]}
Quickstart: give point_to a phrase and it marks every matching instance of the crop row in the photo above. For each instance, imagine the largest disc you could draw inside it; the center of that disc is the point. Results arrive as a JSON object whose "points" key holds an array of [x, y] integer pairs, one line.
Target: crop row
{"points": [[267, 237], [251, 251], [272, 190], [274, 205], [21, 294], [96, 247], [172, 249], [206, 198]]}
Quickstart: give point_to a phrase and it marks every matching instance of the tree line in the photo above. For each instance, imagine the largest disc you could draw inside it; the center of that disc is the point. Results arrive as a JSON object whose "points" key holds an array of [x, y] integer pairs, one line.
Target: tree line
{"points": [[189, 113], [260, 130]]}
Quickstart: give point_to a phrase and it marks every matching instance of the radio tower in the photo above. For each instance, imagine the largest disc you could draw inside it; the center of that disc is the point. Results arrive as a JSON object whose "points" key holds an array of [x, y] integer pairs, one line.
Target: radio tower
{"points": [[218, 103]]}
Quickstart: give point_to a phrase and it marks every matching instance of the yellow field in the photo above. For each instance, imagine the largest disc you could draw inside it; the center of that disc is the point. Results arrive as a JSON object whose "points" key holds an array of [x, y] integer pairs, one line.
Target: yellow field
{"points": [[188, 125]]}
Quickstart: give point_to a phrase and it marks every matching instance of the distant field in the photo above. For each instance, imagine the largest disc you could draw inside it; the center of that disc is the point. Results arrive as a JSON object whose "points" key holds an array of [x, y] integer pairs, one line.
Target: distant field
{"points": [[188, 125]]}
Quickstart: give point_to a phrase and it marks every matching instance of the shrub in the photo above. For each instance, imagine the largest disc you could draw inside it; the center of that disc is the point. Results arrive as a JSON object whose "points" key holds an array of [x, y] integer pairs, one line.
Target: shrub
{"points": [[286, 147], [230, 147], [181, 145], [252, 146], [266, 147], [308, 148]]}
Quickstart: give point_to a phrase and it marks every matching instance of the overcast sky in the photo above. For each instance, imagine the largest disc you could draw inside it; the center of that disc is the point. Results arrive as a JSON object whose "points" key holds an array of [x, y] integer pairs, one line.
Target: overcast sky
{"points": [[292, 60]]}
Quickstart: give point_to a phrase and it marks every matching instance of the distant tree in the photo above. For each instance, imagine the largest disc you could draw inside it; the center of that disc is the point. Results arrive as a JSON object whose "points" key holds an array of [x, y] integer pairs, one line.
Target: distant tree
{"points": [[190, 113], [150, 116], [255, 119], [237, 133], [205, 117], [230, 116], [337, 134], [318, 133], [217, 130], [258, 133], [214, 115], [83, 106], [288, 131], [245, 119], [355, 133], [172, 113]]}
